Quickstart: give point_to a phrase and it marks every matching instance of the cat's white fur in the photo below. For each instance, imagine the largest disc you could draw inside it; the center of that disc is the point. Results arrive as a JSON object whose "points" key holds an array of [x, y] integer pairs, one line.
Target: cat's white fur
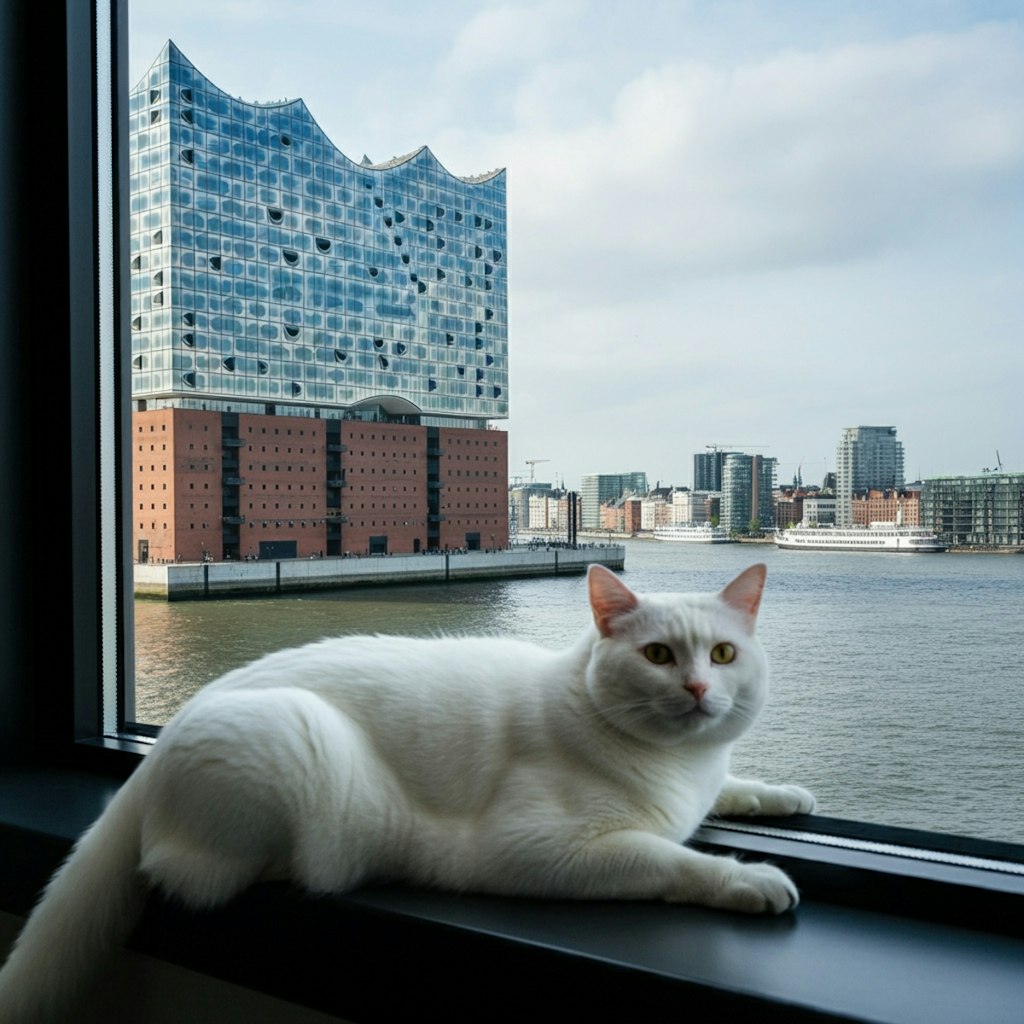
{"points": [[477, 764]]}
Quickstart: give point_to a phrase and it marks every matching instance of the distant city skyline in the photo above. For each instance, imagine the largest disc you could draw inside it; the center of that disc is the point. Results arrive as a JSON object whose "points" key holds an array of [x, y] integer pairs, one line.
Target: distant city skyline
{"points": [[737, 225]]}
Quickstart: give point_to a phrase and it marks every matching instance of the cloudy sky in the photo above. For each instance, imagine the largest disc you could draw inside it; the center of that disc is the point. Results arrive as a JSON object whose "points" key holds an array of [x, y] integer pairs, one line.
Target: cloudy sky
{"points": [[731, 222]]}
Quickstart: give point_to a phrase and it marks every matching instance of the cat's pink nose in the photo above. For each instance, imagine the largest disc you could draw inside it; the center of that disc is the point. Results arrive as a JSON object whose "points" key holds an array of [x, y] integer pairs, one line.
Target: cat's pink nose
{"points": [[697, 689]]}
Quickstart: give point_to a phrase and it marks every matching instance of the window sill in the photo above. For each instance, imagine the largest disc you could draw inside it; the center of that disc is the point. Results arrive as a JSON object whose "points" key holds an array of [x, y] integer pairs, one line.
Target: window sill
{"points": [[391, 952]]}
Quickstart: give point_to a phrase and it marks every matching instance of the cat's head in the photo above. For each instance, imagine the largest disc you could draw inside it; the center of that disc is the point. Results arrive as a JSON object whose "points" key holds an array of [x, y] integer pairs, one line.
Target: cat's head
{"points": [[670, 668]]}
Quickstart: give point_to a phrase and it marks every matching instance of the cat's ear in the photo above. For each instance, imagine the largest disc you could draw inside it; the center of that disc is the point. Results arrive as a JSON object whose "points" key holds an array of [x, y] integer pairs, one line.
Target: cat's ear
{"points": [[744, 593], [610, 598]]}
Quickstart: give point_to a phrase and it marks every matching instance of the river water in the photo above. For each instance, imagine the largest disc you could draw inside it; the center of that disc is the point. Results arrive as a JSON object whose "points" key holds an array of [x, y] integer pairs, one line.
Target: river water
{"points": [[897, 680]]}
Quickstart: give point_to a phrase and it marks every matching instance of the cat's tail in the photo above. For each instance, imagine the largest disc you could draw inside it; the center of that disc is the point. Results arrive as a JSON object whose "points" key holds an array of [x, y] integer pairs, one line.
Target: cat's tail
{"points": [[90, 905]]}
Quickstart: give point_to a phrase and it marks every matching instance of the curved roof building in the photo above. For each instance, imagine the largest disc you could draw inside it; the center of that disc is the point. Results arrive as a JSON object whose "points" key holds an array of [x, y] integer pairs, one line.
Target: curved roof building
{"points": [[271, 273]]}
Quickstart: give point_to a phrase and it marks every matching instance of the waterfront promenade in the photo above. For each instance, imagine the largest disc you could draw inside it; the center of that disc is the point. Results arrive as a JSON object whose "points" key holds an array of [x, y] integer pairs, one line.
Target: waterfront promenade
{"points": [[198, 580]]}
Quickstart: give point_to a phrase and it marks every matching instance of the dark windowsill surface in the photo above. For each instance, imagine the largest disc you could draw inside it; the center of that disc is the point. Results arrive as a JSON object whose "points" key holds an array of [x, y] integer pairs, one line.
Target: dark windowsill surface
{"points": [[389, 952]]}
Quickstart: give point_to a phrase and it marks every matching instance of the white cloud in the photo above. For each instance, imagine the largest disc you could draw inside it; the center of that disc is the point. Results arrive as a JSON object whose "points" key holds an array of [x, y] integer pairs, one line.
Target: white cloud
{"points": [[509, 36], [803, 158]]}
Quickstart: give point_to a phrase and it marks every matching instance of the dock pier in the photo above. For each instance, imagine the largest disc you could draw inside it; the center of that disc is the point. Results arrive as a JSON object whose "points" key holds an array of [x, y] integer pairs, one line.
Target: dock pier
{"points": [[192, 581]]}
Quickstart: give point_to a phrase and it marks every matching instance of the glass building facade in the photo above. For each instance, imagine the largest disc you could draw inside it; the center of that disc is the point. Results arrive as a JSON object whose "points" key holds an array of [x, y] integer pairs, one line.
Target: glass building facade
{"points": [[986, 510], [707, 470], [271, 273], [748, 482]]}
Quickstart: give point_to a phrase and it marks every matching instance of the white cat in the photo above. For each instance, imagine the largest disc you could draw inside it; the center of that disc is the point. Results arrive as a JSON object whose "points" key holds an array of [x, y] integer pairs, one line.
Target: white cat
{"points": [[477, 764]]}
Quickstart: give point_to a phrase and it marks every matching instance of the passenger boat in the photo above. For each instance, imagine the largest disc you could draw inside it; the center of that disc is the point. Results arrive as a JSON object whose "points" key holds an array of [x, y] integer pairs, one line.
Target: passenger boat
{"points": [[876, 537], [693, 533]]}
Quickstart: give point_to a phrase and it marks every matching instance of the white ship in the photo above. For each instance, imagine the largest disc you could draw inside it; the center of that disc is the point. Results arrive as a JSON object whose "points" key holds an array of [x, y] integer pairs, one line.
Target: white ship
{"points": [[692, 533], [876, 537]]}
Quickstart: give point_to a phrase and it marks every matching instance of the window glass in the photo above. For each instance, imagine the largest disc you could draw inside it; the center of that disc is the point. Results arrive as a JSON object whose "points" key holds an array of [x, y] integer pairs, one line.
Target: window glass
{"points": [[735, 237]]}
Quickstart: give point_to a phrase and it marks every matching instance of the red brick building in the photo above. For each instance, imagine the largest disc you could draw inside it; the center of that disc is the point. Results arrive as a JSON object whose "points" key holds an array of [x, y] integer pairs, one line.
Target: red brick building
{"points": [[237, 485], [881, 506], [613, 517], [473, 492]]}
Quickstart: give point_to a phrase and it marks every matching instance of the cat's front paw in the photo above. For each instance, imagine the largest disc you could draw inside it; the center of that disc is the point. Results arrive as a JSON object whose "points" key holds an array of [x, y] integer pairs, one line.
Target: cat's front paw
{"points": [[757, 798], [782, 800], [756, 889]]}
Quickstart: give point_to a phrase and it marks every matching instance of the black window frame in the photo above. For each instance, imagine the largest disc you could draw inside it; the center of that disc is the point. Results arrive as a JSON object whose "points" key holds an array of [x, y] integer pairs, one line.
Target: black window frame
{"points": [[66, 623], [53, 623]]}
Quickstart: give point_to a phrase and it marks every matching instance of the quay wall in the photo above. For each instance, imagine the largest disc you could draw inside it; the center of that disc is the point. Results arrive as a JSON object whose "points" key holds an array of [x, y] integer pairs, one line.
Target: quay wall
{"points": [[199, 580]]}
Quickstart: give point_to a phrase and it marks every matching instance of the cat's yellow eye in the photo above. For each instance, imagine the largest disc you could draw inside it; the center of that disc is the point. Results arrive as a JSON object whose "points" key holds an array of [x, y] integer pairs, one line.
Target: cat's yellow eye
{"points": [[722, 654], [659, 654]]}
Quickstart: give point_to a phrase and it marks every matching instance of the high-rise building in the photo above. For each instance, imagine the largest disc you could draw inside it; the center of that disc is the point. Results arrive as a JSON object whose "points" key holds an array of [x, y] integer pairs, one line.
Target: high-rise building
{"points": [[598, 488], [747, 485], [319, 326], [707, 470], [866, 457]]}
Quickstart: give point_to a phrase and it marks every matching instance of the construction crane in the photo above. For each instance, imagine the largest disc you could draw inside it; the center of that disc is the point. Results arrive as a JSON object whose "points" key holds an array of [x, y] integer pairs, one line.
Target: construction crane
{"points": [[999, 465], [733, 444], [532, 463]]}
